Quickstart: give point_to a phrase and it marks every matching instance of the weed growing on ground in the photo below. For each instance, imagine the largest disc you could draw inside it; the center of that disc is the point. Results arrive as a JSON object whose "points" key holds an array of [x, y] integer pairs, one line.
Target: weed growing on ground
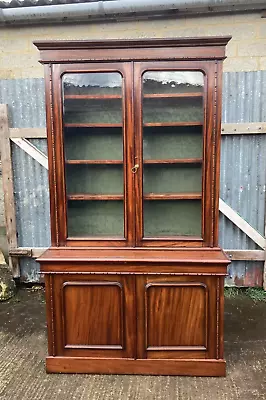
{"points": [[256, 294]]}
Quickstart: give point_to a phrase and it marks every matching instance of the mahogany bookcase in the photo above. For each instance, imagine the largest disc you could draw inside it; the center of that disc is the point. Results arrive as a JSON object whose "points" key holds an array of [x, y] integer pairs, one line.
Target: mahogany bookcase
{"points": [[134, 278]]}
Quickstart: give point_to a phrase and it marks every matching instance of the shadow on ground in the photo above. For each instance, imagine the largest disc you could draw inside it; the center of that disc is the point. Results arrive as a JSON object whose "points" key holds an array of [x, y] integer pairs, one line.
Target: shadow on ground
{"points": [[23, 350]]}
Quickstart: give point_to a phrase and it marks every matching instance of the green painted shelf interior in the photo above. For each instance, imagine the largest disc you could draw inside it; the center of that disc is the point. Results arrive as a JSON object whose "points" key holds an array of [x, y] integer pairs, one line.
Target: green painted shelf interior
{"points": [[162, 218], [93, 143], [88, 218], [172, 110], [94, 179], [90, 90], [174, 178], [172, 142], [172, 218], [93, 111]]}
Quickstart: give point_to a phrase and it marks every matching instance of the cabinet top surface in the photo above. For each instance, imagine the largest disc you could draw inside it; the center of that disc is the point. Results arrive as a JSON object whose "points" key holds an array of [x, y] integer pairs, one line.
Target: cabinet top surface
{"points": [[187, 255], [132, 43], [69, 51]]}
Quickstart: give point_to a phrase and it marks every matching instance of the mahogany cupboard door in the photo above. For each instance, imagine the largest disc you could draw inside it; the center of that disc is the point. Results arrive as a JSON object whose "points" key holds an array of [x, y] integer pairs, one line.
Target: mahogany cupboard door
{"points": [[92, 316], [179, 317]]}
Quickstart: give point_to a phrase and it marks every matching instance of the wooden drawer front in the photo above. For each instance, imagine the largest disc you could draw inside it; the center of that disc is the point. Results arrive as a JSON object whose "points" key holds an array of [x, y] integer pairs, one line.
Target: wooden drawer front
{"points": [[94, 315], [176, 317]]}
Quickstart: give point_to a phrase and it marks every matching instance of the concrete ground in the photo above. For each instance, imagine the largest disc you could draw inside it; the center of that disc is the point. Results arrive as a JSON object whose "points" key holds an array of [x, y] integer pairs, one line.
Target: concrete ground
{"points": [[23, 350]]}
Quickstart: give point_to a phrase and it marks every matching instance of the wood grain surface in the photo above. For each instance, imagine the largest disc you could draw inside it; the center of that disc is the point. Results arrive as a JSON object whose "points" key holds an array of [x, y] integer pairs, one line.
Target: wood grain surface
{"points": [[139, 302]]}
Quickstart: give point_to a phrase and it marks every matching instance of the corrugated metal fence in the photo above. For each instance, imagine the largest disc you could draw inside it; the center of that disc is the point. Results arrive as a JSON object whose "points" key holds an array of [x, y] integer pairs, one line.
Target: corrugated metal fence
{"points": [[243, 166]]}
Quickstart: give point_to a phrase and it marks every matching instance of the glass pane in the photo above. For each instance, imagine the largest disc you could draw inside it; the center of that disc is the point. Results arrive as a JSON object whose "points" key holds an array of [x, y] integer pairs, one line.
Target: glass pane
{"points": [[95, 218], [93, 98], [93, 83], [172, 218], [172, 82], [172, 178], [172, 142], [173, 116], [93, 141]]}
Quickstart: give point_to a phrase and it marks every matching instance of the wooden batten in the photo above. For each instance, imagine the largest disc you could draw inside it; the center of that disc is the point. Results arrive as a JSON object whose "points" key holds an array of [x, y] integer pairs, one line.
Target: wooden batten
{"points": [[247, 128], [252, 128], [28, 133], [264, 266]]}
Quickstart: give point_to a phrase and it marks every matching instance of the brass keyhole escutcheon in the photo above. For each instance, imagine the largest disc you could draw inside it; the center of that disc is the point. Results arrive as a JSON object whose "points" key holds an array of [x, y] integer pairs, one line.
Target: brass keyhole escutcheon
{"points": [[135, 168]]}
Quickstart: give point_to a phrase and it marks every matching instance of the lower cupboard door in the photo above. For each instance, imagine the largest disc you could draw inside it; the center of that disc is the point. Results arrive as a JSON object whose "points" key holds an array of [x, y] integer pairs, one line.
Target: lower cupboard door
{"points": [[94, 316], [177, 317]]}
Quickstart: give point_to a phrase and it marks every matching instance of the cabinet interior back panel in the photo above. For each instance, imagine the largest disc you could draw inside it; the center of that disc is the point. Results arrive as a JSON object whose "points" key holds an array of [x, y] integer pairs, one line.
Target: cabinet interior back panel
{"points": [[95, 218]]}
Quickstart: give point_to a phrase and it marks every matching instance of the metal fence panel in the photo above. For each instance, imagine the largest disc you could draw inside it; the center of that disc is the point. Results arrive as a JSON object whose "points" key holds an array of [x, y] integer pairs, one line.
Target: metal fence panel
{"points": [[243, 166]]}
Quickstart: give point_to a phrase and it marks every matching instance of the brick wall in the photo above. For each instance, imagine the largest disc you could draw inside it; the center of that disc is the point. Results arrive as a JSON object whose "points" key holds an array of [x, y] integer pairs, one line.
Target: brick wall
{"points": [[246, 51]]}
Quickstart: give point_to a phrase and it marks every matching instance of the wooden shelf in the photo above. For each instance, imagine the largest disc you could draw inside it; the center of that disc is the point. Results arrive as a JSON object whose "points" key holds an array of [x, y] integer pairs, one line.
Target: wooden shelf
{"points": [[172, 196], [94, 162], [175, 161], [149, 162], [83, 196], [150, 196], [172, 95], [189, 123], [92, 125], [118, 96], [147, 124], [92, 96]]}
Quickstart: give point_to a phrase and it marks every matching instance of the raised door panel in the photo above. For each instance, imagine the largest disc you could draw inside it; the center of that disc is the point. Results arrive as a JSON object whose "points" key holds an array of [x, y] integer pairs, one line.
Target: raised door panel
{"points": [[88, 305], [94, 316], [168, 303], [176, 317]]}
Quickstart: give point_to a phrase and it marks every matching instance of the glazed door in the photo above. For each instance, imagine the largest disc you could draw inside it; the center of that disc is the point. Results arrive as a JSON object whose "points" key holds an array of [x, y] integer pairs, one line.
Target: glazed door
{"points": [[94, 102], [170, 153], [134, 154]]}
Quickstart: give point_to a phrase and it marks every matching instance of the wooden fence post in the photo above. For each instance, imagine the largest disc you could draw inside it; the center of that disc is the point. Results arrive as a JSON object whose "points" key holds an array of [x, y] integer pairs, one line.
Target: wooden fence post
{"points": [[264, 265], [9, 203]]}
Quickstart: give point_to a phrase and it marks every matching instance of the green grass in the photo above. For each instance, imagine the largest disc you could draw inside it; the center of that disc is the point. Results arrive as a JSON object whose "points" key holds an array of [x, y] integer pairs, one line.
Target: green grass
{"points": [[256, 294]]}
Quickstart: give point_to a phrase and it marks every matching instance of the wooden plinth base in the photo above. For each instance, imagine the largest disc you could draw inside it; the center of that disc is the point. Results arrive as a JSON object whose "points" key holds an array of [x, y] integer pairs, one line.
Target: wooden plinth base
{"points": [[136, 367]]}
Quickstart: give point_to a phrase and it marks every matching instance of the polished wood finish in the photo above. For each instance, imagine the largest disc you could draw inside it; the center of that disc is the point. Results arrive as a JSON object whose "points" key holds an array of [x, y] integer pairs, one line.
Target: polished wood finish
{"points": [[185, 123], [95, 197], [130, 304], [171, 95], [175, 161], [199, 48], [92, 162], [92, 96], [205, 256], [187, 367], [172, 196], [94, 316], [193, 302], [92, 125]]}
